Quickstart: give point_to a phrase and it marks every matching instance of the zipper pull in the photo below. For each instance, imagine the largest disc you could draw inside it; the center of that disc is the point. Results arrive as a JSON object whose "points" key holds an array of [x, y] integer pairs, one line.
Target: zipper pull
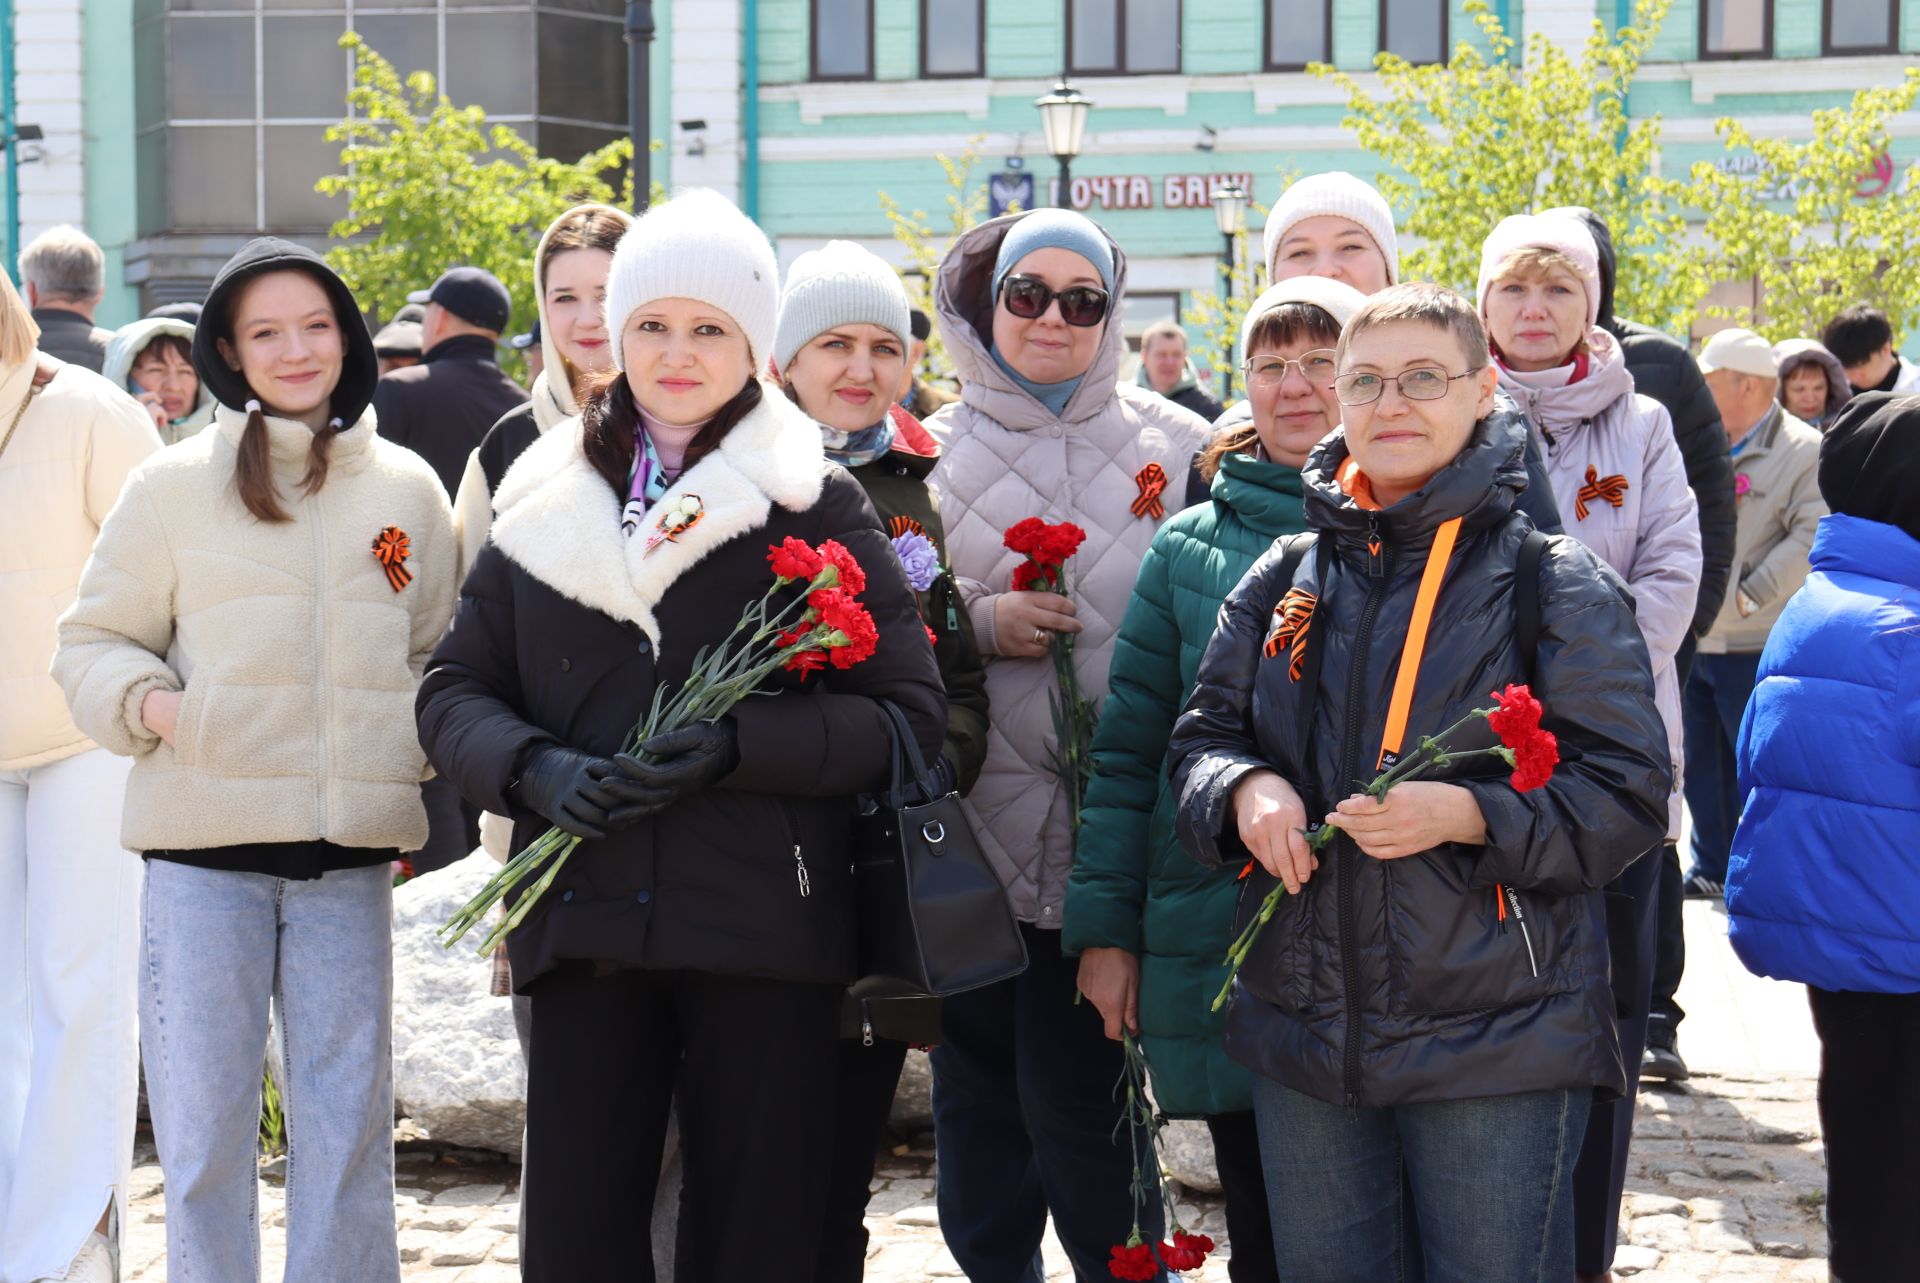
{"points": [[800, 871], [953, 615], [1500, 907], [1376, 549], [866, 1030]]}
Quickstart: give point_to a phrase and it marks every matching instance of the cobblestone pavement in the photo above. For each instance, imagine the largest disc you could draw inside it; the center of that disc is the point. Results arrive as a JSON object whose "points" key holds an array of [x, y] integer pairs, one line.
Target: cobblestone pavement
{"points": [[1726, 1181]]}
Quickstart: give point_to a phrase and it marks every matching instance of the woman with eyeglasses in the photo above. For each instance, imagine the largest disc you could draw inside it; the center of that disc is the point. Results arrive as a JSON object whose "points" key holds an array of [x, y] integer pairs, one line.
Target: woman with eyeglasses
{"points": [[1023, 1114], [1621, 486], [1151, 926], [1426, 1015]]}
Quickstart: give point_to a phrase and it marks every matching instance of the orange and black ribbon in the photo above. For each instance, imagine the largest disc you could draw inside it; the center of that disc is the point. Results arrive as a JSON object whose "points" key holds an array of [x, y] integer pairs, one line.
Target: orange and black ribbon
{"points": [[1612, 489], [905, 525], [390, 550], [1290, 620], [1152, 481]]}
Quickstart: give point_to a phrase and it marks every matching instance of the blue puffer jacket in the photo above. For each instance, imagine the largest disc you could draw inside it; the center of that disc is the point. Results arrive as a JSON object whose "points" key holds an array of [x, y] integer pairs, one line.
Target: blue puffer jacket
{"points": [[1826, 863]]}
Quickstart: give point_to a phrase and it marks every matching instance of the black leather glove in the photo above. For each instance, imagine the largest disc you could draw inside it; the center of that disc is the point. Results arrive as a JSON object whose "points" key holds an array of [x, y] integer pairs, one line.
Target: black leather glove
{"points": [[573, 791], [678, 763]]}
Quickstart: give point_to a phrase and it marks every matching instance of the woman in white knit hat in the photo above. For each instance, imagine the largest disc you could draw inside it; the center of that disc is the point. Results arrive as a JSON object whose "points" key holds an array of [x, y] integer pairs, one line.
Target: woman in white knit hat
{"points": [[707, 915], [841, 351], [1621, 487], [1333, 225]]}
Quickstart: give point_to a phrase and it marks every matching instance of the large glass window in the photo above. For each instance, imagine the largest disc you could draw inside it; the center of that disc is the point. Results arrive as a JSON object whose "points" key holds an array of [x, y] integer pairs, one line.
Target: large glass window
{"points": [[212, 178], [1414, 29], [1116, 37], [308, 79], [1737, 28], [487, 61], [841, 38], [951, 41], [1862, 26], [411, 42], [296, 157], [210, 69], [1298, 33]]}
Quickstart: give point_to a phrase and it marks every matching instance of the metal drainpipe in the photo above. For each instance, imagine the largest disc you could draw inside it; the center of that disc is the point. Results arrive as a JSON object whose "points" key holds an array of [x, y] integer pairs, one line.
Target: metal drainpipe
{"points": [[12, 143], [750, 123]]}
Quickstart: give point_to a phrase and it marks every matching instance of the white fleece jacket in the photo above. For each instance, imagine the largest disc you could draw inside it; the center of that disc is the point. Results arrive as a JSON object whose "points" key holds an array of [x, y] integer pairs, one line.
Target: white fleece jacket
{"points": [[298, 658]]}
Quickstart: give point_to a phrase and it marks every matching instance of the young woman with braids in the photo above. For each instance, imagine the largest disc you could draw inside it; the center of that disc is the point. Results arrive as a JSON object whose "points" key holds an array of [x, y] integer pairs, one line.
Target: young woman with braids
{"points": [[251, 629]]}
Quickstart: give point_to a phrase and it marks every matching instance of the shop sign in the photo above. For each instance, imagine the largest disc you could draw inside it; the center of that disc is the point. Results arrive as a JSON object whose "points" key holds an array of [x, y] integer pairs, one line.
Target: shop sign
{"points": [[1885, 175], [1142, 191]]}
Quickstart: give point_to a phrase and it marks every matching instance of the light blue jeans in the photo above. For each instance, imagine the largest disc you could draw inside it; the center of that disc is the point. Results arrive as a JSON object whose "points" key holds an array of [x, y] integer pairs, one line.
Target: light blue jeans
{"points": [[1490, 1180], [218, 948]]}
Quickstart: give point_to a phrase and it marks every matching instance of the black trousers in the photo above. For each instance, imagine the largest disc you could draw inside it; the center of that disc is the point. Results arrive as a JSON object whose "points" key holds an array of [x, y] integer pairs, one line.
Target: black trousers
{"points": [[1236, 1156], [1870, 1120], [1600, 1176], [863, 1091], [1670, 952], [753, 1061]]}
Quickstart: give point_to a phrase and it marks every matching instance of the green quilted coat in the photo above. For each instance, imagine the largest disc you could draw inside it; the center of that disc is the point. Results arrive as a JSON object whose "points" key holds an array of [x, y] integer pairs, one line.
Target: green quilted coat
{"points": [[1132, 886]]}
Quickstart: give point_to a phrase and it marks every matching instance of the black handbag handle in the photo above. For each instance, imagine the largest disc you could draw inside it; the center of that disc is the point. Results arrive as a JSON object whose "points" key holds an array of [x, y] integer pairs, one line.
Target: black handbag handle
{"points": [[912, 772]]}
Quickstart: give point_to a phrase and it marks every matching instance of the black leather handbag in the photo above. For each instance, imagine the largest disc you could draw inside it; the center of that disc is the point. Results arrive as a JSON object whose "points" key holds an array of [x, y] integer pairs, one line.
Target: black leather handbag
{"points": [[933, 917]]}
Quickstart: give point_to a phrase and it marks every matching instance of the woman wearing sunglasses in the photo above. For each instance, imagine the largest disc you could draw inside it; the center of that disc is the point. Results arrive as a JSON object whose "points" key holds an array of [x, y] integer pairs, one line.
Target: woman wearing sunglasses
{"points": [[1621, 486], [1044, 428], [1426, 1015], [1150, 925]]}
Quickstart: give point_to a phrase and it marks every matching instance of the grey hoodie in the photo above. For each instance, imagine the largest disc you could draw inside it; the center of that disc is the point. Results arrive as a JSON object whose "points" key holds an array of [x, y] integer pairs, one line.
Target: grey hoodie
{"points": [[128, 342]]}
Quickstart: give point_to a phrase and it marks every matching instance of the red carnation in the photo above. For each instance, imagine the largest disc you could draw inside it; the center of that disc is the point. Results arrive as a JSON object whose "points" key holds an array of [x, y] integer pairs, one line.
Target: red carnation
{"points": [[794, 559], [852, 578], [852, 635], [932, 640], [1134, 1261], [1060, 542], [1026, 536], [1517, 717], [1186, 1252], [1534, 759], [1031, 576]]}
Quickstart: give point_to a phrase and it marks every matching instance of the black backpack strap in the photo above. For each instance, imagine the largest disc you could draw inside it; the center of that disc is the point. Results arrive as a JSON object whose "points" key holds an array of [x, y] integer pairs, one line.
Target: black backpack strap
{"points": [[1526, 599]]}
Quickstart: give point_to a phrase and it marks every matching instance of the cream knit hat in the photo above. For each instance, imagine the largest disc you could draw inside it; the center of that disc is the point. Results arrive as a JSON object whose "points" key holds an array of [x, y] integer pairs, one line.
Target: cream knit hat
{"points": [[1336, 298], [1563, 233], [838, 284], [696, 246], [1343, 196]]}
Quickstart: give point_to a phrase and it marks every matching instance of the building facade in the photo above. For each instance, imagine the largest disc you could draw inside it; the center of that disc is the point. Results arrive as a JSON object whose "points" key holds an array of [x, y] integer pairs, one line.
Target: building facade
{"points": [[202, 119]]}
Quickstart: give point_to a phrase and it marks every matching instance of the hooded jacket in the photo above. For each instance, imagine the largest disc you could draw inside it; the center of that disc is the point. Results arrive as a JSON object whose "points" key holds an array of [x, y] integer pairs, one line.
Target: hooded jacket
{"points": [[1394, 981], [1825, 863], [1794, 353], [1599, 429], [551, 401], [1007, 457], [128, 342], [565, 631], [296, 653], [1664, 369], [59, 477], [1132, 887]]}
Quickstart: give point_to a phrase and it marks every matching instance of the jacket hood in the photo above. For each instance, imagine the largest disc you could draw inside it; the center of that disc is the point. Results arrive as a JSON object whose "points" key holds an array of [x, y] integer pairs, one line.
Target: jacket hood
{"points": [[360, 370], [1609, 259], [1793, 353], [1560, 410], [1189, 378], [963, 296], [1481, 484], [130, 340], [553, 398]]}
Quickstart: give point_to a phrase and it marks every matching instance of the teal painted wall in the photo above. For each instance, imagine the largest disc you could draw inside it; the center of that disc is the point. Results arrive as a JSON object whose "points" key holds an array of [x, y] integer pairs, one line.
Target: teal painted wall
{"points": [[107, 117]]}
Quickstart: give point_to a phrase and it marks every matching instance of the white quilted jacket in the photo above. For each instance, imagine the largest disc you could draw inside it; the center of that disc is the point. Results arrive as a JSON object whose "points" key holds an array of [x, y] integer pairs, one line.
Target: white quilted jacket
{"points": [[1004, 456]]}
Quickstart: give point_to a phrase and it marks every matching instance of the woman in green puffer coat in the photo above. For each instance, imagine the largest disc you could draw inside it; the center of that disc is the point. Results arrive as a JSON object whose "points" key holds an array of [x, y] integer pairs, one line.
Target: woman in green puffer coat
{"points": [[1150, 925]]}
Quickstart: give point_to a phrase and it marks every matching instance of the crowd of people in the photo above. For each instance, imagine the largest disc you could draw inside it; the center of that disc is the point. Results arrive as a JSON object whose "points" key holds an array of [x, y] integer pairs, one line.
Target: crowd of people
{"points": [[288, 601]]}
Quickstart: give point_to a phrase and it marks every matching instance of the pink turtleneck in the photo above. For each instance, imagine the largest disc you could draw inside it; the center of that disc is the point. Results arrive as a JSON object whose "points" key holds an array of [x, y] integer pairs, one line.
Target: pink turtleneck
{"points": [[670, 442]]}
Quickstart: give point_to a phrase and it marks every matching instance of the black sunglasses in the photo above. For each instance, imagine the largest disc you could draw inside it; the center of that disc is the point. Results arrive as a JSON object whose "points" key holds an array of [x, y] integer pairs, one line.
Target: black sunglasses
{"points": [[1028, 298]]}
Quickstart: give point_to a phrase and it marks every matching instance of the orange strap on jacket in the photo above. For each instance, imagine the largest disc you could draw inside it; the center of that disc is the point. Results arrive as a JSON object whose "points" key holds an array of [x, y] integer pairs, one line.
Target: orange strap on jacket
{"points": [[1416, 644]]}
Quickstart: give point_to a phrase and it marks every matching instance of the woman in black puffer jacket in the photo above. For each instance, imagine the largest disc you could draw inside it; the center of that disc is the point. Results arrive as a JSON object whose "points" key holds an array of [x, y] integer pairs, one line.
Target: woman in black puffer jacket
{"points": [[1402, 1024]]}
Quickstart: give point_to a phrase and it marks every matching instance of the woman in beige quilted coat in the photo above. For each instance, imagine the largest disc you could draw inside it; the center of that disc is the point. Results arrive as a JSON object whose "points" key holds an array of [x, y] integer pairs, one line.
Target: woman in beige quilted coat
{"points": [[1044, 428]]}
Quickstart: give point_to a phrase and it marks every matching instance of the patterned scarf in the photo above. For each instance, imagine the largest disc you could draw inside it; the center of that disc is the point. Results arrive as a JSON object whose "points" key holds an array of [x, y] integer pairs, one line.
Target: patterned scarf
{"points": [[647, 483], [856, 449]]}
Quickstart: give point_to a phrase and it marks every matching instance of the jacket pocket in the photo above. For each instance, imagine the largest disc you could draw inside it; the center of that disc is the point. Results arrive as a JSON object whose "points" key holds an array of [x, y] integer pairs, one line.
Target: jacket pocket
{"points": [[1455, 948], [187, 721], [1277, 969]]}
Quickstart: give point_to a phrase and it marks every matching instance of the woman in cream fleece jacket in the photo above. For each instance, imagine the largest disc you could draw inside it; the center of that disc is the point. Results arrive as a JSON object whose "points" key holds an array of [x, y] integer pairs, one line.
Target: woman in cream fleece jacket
{"points": [[251, 630]]}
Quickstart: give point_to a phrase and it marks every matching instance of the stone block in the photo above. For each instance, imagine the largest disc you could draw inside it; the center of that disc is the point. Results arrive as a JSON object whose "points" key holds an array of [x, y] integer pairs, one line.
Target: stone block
{"points": [[1723, 1237], [469, 1247], [1186, 1152], [1663, 1232], [1654, 1205], [1630, 1259], [913, 1098]]}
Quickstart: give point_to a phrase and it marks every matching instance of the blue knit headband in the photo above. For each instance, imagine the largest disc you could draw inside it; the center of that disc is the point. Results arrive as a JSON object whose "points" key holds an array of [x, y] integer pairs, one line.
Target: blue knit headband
{"points": [[1055, 229]]}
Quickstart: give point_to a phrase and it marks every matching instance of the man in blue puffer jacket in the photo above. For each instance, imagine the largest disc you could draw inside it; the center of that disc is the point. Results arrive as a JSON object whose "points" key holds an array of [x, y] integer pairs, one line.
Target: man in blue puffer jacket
{"points": [[1825, 867]]}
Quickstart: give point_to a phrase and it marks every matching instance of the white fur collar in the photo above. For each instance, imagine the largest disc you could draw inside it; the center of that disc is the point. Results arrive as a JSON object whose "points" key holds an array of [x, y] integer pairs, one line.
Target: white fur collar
{"points": [[559, 520]]}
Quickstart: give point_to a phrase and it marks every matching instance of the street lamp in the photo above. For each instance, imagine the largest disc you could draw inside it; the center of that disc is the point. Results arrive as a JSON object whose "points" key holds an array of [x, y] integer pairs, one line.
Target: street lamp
{"points": [[1063, 118], [1229, 211], [638, 32]]}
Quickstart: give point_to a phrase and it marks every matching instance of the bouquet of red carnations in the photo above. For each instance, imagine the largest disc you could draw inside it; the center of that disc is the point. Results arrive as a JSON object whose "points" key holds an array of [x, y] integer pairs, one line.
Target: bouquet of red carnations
{"points": [[1046, 549], [822, 625], [1524, 745], [1138, 1258]]}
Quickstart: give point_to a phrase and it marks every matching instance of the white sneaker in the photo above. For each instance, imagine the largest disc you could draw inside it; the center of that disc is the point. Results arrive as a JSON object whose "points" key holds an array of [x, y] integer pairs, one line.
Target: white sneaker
{"points": [[93, 1265]]}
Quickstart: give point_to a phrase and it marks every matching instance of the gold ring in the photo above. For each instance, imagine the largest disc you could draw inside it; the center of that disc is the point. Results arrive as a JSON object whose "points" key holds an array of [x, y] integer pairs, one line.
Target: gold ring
{"points": [[1039, 636]]}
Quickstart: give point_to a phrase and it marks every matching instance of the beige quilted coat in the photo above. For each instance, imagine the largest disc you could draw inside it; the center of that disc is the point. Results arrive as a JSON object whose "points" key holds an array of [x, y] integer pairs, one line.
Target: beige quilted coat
{"points": [[1005, 457]]}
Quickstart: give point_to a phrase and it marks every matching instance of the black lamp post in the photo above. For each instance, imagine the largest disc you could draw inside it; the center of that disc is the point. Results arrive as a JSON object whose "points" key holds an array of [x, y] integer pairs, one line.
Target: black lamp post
{"points": [[1063, 118], [639, 36], [1229, 210]]}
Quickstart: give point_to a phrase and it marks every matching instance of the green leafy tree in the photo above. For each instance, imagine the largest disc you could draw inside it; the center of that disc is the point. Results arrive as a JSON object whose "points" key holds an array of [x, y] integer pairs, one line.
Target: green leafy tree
{"points": [[1218, 314], [1822, 224], [926, 245], [1484, 135], [429, 185]]}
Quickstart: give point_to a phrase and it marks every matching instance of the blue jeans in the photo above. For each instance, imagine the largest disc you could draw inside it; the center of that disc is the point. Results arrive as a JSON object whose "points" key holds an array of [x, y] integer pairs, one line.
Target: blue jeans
{"points": [[1491, 1181], [219, 946], [1711, 707]]}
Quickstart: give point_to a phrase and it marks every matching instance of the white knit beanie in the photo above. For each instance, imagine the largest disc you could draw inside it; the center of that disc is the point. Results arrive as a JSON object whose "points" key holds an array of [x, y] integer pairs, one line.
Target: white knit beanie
{"points": [[696, 246], [1336, 298], [1343, 196], [838, 284]]}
